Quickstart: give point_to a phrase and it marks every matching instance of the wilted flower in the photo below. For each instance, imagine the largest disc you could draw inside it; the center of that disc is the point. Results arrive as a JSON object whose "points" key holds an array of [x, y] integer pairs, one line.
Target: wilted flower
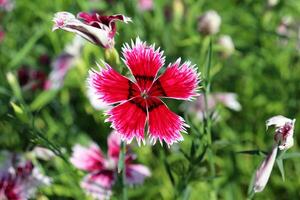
{"points": [[227, 99], [63, 63], [31, 79], [144, 5], [283, 140], [209, 23], [139, 100], [99, 30], [103, 169], [19, 178], [284, 131], [227, 46], [264, 171]]}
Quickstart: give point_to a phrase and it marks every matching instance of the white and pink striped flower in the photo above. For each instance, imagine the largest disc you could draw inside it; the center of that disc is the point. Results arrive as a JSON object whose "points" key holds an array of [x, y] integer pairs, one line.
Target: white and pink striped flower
{"points": [[102, 169], [139, 100], [284, 131], [97, 29]]}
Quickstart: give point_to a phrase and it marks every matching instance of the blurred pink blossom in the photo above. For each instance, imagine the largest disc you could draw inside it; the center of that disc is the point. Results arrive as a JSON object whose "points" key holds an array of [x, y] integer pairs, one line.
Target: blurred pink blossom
{"points": [[63, 63], [229, 100], [6, 5], [19, 178], [102, 169], [144, 5]]}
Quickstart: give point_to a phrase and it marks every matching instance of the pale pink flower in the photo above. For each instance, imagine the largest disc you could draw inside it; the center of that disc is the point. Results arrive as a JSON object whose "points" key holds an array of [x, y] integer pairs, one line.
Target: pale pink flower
{"points": [[144, 5], [102, 169], [284, 131], [140, 100], [264, 171], [228, 100], [6, 5], [99, 30]]}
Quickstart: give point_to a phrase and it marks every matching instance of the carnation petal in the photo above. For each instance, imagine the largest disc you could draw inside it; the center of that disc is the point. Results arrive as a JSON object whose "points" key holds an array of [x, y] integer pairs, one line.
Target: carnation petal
{"points": [[143, 61], [178, 82], [99, 185], [87, 158], [129, 119], [136, 173], [164, 125], [110, 86]]}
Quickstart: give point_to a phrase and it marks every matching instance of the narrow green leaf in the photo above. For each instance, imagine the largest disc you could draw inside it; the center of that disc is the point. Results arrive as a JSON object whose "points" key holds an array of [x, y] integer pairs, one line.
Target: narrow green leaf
{"points": [[254, 152], [26, 49], [281, 168], [43, 99], [291, 155]]}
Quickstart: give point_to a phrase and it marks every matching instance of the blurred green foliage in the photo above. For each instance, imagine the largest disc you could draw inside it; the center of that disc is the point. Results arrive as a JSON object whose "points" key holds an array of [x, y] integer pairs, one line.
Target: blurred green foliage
{"points": [[264, 71]]}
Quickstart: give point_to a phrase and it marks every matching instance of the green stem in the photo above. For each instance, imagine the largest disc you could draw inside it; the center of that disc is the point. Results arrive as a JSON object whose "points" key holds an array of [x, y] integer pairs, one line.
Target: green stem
{"points": [[207, 117], [122, 168]]}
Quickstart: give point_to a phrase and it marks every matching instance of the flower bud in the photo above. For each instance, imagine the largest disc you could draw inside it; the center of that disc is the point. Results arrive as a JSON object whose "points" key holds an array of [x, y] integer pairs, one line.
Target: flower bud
{"points": [[264, 171], [227, 46], [209, 23]]}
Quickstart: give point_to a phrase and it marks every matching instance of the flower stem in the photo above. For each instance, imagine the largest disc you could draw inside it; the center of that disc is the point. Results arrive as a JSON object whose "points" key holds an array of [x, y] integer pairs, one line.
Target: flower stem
{"points": [[207, 117], [122, 168]]}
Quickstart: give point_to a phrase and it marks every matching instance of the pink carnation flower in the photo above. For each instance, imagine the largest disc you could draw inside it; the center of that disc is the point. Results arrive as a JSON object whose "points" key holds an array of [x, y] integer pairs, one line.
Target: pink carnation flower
{"points": [[102, 170], [140, 100], [95, 28]]}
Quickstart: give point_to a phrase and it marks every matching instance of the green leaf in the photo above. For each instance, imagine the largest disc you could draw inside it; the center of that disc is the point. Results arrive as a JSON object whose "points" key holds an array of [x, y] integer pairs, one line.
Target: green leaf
{"points": [[26, 48], [254, 152], [291, 155], [251, 185], [43, 99], [281, 168]]}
